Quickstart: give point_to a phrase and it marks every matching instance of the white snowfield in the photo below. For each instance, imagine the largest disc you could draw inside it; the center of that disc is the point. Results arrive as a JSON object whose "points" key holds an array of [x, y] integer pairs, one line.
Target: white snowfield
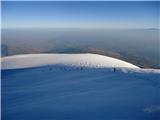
{"points": [[84, 60], [77, 93]]}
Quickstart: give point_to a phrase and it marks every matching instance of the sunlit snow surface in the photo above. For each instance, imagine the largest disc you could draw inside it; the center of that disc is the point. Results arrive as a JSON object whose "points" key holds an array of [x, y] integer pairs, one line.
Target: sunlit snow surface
{"points": [[63, 92], [88, 60]]}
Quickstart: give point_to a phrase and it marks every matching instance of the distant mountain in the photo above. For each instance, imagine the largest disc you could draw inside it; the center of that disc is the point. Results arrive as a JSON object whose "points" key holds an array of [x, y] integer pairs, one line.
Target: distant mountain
{"points": [[153, 29]]}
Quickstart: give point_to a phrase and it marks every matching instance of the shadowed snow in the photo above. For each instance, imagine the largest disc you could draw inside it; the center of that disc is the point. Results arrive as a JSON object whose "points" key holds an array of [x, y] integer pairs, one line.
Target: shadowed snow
{"points": [[77, 87], [76, 93]]}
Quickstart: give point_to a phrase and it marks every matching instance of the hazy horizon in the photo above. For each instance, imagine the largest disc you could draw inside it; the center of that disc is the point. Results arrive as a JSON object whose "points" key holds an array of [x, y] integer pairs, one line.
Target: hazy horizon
{"points": [[125, 30]]}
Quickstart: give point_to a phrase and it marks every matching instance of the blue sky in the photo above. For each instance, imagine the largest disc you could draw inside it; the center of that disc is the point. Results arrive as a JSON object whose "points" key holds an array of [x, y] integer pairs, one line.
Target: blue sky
{"points": [[79, 14]]}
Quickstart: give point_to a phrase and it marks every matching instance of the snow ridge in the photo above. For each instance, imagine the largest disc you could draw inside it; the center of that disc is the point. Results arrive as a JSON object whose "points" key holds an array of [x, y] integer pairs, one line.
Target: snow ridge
{"points": [[78, 60]]}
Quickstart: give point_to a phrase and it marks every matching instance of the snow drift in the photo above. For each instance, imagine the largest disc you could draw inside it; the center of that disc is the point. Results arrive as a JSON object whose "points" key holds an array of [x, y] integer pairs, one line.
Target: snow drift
{"points": [[86, 60]]}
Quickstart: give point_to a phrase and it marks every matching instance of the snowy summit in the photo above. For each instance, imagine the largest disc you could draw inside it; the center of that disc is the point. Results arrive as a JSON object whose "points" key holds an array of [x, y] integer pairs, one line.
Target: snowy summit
{"points": [[83, 60], [46, 91]]}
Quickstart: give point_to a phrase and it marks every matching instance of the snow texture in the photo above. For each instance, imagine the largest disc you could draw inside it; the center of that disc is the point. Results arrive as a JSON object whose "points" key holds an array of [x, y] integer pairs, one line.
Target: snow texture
{"points": [[87, 60], [62, 92]]}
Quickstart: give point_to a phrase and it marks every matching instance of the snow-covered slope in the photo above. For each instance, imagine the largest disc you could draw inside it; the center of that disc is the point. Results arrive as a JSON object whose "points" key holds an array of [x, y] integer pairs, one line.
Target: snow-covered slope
{"points": [[71, 93], [58, 87], [87, 60]]}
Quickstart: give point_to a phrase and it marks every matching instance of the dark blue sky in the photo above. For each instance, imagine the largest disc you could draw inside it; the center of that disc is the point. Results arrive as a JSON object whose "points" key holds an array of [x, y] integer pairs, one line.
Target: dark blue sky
{"points": [[80, 14]]}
